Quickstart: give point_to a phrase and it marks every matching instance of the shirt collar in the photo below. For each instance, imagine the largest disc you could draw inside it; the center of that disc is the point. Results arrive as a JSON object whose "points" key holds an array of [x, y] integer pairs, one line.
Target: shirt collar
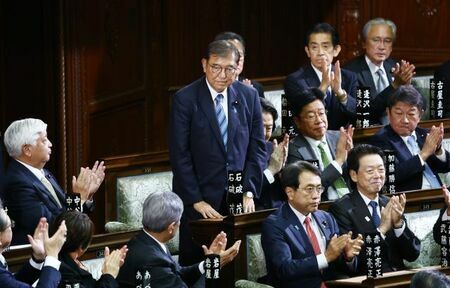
{"points": [[214, 93], [314, 143], [318, 72], [299, 215], [39, 173], [372, 67], [367, 200], [160, 244], [405, 138]]}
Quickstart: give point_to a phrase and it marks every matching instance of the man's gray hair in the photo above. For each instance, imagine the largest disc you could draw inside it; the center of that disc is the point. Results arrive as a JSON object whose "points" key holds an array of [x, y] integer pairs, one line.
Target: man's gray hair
{"points": [[379, 21], [160, 209], [22, 132]]}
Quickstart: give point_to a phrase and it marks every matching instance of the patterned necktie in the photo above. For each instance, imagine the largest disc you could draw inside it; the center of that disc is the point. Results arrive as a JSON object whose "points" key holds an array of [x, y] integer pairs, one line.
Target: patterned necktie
{"points": [[221, 119], [339, 184], [381, 82], [375, 216], [427, 172], [50, 189], [312, 236]]}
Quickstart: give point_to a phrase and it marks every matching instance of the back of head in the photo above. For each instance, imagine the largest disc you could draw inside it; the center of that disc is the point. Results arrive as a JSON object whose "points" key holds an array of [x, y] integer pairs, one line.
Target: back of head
{"points": [[79, 230], [291, 172], [323, 28], [303, 98], [22, 132], [160, 209], [379, 21], [430, 278], [409, 95], [223, 49]]}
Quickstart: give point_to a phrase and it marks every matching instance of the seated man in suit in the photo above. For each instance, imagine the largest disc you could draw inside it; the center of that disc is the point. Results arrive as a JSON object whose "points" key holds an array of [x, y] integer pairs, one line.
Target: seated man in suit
{"points": [[147, 250], [300, 242], [366, 211], [239, 43], [338, 85], [316, 143], [43, 265], [376, 70], [32, 192], [418, 152], [272, 195]]}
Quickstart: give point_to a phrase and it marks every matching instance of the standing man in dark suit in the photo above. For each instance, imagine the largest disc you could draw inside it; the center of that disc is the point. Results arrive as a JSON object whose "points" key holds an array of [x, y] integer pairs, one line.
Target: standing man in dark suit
{"points": [[418, 152], [376, 70], [300, 242], [316, 143], [43, 265], [32, 192], [339, 85], [215, 128], [148, 251], [238, 41], [366, 211]]}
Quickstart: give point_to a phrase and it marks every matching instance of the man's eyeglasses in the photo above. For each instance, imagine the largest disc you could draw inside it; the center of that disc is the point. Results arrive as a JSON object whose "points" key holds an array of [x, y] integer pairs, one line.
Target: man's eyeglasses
{"points": [[378, 41], [312, 116], [217, 69], [312, 189]]}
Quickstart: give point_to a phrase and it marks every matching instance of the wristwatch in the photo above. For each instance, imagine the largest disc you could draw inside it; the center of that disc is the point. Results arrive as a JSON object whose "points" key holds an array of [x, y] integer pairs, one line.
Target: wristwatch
{"points": [[248, 195]]}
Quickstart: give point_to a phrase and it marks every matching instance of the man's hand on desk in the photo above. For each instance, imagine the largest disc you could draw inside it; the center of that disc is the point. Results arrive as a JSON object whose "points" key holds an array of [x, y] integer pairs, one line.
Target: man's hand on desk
{"points": [[206, 210]]}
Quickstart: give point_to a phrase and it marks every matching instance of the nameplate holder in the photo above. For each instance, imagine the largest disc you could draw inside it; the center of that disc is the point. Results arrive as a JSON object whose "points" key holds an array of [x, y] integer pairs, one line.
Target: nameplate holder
{"points": [[235, 192], [73, 202], [212, 271]]}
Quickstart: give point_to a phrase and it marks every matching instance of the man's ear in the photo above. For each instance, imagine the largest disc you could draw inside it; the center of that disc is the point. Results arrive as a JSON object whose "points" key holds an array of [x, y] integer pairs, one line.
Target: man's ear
{"points": [[336, 50], [171, 228], [289, 192], [26, 150], [307, 52], [204, 64], [353, 175]]}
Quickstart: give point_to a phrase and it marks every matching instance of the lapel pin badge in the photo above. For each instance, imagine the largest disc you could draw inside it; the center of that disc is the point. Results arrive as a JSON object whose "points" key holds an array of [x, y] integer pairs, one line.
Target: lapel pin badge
{"points": [[367, 219]]}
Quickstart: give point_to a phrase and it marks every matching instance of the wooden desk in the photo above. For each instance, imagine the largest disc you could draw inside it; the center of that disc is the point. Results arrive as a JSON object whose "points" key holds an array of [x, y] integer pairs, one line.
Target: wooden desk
{"points": [[397, 279], [237, 228]]}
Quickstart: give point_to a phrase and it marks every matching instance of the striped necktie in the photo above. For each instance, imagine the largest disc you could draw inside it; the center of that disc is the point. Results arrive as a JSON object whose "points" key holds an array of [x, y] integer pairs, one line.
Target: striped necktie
{"points": [[381, 83], [221, 119], [339, 183]]}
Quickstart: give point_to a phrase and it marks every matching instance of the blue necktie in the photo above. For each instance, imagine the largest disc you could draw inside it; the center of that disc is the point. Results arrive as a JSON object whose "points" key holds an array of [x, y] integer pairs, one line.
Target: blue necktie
{"points": [[221, 119], [375, 216], [427, 172]]}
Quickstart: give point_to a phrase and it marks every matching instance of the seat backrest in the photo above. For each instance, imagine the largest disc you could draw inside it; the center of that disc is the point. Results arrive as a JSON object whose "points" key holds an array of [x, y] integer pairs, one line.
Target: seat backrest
{"points": [[132, 192], [421, 223]]}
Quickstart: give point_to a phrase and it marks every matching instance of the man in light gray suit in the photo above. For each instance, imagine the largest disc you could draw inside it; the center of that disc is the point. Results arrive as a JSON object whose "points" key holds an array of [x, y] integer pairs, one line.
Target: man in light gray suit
{"points": [[315, 143]]}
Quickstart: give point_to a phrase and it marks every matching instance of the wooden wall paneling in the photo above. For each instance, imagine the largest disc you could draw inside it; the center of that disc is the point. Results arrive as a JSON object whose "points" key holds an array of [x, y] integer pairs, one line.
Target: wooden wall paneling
{"points": [[349, 27], [422, 29]]}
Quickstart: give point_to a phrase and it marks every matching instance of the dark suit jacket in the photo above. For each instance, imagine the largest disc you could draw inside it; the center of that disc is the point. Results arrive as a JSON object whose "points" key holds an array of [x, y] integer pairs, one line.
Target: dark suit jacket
{"points": [[338, 114], [352, 214], [378, 103], [290, 258], [258, 86], [300, 149], [143, 251], [28, 200], [198, 156], [71, 273], [408, 170], [48, 277]]}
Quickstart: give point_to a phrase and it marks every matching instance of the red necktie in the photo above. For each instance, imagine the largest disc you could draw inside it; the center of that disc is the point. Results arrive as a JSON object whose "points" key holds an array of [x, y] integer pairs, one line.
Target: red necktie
{"points": [[312, 236], [313, 240]]}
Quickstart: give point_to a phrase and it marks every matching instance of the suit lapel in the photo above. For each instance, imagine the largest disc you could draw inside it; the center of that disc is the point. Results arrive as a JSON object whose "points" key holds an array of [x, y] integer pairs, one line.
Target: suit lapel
{"points": [[399, 144], [332, 143], [295, 229], [304, 148], [234, 110], [361, 212], [59, 191], [207, 106], [323, 224], [387, 68]]}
